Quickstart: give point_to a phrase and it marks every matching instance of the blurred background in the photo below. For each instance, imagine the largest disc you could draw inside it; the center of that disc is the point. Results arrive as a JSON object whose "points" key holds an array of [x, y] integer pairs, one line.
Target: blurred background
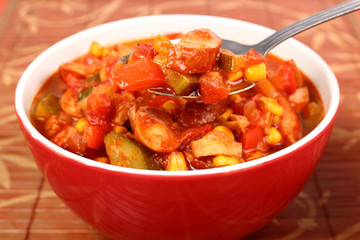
{"points": [[327, 208]]}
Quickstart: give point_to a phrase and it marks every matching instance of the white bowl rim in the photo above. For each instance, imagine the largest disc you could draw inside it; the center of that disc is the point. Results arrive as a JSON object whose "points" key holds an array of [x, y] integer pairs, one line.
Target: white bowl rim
{"points": [[328, 118]]}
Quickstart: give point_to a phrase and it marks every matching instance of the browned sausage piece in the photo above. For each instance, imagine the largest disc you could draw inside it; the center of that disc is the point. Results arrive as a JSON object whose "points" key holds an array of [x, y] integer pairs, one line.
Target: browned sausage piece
{"points": [[195, 53], [156, 130]]}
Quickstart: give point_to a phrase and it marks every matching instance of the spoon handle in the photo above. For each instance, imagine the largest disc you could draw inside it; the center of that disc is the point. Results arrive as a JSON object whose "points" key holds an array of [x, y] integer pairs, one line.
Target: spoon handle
{"points": [[269, 43]]}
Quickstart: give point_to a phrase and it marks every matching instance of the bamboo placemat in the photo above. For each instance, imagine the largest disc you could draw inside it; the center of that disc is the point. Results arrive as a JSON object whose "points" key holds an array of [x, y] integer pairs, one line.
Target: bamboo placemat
{"points": [[327, 208]]}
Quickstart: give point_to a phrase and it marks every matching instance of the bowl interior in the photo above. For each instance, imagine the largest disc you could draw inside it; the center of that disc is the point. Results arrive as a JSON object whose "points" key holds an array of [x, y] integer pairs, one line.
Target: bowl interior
{"points": [[48, 62]]}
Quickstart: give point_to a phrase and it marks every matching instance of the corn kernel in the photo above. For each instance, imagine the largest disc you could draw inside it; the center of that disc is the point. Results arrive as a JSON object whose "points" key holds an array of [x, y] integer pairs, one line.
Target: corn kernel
{"points": [[225, 130], [169, 106], [96, 49], [269, 104], [256, 73], [232, 77], [225, 116], [224, 161], [274, 136], [176, 162], [81, 124], [120, 129]]}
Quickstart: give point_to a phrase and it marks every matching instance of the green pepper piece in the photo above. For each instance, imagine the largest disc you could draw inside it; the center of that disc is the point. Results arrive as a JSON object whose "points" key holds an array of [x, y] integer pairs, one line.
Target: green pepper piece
{"points": [[84, 93]]}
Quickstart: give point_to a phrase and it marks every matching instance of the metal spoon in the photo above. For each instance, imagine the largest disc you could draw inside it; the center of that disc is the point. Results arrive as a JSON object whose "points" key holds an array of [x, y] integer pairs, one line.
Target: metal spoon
{"points": [[281, 35]]}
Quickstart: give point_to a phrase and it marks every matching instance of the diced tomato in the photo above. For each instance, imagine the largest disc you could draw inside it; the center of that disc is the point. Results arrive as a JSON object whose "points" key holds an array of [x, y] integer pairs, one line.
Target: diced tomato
{"points": [[70, 139], [252, 137], [110, 60], [213, 88], [143, 50], [298, 74], [264, 120], [74, 82], [98, 109], [254, 58], [139, 75], [285, 78], [99, 103], [94, 136]]}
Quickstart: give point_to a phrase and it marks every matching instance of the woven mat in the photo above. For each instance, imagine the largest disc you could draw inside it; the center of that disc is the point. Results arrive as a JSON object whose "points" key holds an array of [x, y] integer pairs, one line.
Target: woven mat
{"points": [[328, 207]]}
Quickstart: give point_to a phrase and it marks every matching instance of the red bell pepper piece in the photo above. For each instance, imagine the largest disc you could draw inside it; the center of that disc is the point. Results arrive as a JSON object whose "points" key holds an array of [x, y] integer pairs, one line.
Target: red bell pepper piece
{"points": [[252, 137], [254, 58], [139, 75]]}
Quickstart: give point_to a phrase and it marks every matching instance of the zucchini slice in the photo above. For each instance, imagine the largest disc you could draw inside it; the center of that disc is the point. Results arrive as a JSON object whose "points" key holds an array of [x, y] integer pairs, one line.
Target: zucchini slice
{"points": [[47, 107], [125, 152], [181, 83]]}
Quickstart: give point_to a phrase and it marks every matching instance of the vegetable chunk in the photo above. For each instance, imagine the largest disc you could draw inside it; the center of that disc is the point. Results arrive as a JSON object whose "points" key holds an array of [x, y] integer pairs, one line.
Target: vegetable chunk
{"points": [[47, 107], [125, 152], [139, 75], [213, 88]]}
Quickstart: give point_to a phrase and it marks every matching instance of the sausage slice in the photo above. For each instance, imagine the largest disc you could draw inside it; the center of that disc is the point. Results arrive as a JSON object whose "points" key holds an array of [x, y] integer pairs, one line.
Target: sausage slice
{"points": [[196, 52]]}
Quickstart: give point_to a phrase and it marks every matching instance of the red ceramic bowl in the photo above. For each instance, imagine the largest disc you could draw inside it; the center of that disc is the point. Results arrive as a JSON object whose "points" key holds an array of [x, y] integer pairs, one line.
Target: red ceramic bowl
{"points": [[223, 203]]}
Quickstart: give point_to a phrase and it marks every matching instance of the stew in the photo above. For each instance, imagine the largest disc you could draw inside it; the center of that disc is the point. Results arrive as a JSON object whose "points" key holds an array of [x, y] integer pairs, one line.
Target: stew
{"points": [[98, 105]]}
